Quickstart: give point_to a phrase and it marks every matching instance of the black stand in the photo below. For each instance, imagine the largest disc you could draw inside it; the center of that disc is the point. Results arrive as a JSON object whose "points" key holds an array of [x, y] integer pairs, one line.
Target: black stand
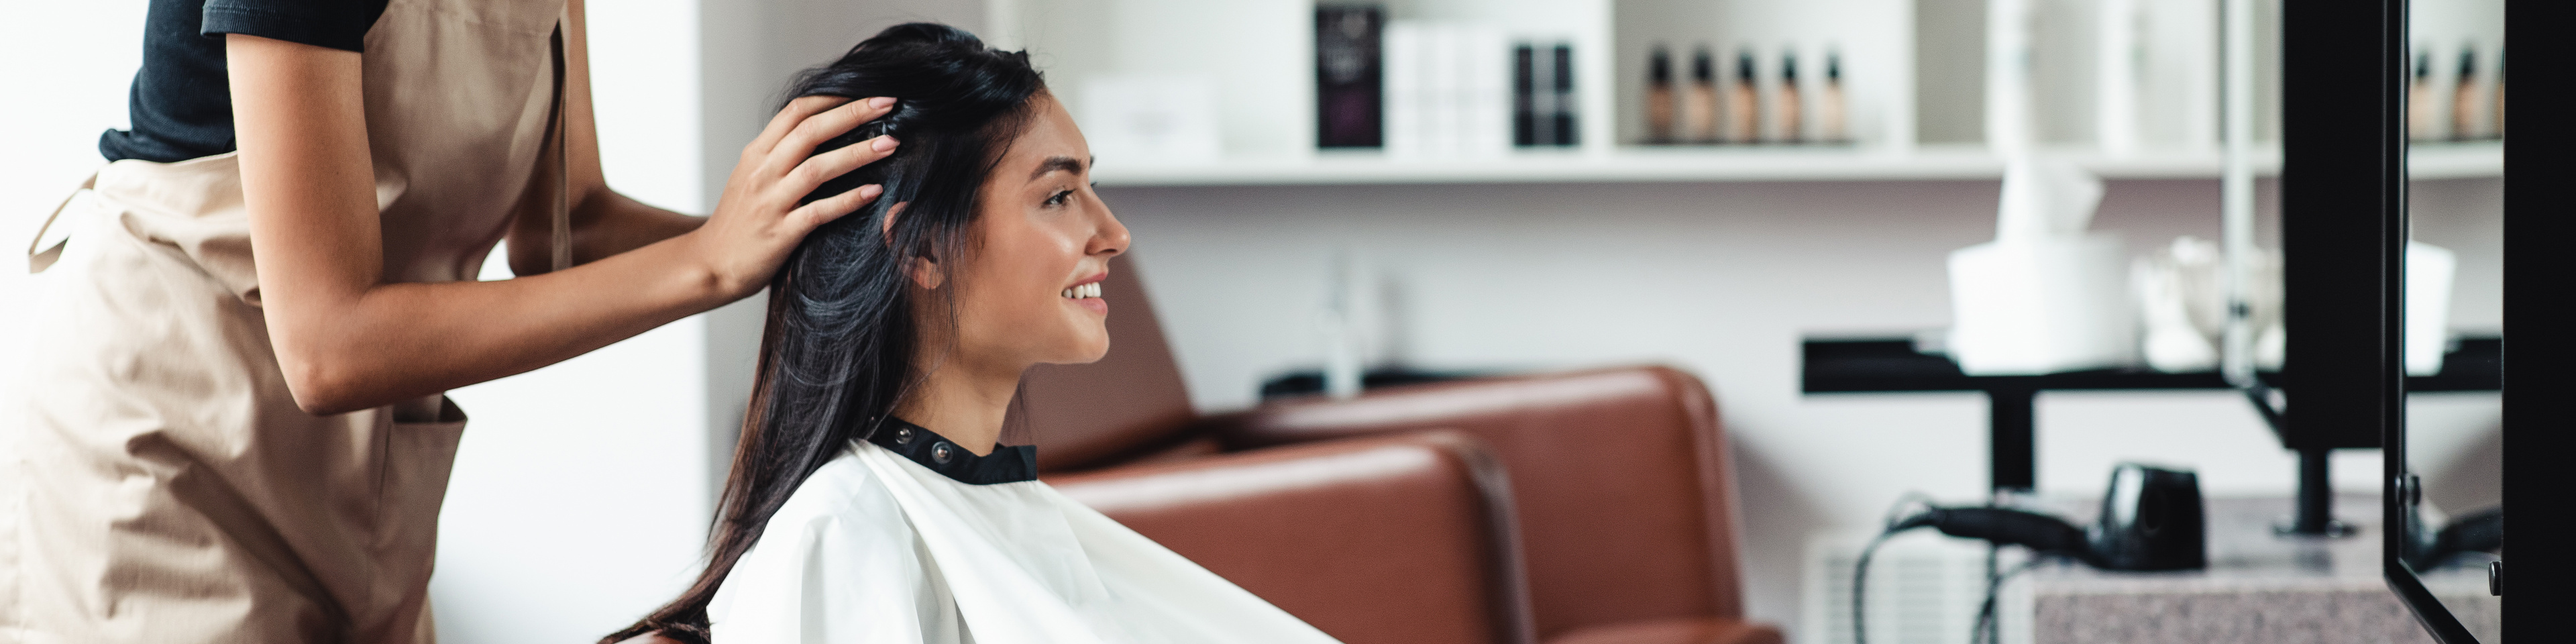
{"points": [[2316, 500], [2011, 439]]}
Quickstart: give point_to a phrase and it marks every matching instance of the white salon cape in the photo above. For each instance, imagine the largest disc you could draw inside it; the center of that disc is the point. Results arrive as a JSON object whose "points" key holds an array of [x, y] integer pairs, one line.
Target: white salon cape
{"points": [[907, 538]]}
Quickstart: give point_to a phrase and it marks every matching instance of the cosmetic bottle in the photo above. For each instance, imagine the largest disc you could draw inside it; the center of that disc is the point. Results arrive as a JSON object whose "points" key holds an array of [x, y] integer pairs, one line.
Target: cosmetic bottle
{"points": [[1561, 76], [1699, 105], [1659, 96], [1743, 123], [1785, 115], [2420, 125], [2464, 96], [1525, 95], [1831, 118], [2496, 129]]}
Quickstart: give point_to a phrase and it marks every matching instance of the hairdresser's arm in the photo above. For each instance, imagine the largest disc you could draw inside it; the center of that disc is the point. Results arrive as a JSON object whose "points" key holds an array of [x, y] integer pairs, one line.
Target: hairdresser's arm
{"points": [[349, 340], [604, 222]]}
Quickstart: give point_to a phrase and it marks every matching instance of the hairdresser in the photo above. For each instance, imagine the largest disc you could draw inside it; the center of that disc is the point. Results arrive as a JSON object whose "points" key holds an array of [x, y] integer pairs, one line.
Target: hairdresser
{"points": [[234, 430]]}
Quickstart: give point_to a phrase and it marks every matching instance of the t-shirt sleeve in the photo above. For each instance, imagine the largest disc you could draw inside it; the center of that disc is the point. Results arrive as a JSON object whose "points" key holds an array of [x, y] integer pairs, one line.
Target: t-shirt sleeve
{"points": [[337, 24]]}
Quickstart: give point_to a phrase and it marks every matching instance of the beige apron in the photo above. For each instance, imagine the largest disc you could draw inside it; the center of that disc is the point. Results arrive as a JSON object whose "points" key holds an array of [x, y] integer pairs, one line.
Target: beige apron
{"points": [[170, 489]]}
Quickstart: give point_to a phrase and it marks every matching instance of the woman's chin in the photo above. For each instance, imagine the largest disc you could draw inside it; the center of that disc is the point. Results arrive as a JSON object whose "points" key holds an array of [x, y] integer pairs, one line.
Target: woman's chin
{"points": [[1078, 342], [1082, 356]]}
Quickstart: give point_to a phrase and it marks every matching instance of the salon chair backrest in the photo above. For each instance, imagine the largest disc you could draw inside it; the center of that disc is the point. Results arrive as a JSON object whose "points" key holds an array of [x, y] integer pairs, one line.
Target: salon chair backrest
{"points": [[1085, 414]]}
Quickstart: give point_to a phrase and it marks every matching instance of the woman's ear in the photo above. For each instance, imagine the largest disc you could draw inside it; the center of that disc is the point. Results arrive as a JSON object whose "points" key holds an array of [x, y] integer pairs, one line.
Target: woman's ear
{"points": [[924, 270], [926, 274]]}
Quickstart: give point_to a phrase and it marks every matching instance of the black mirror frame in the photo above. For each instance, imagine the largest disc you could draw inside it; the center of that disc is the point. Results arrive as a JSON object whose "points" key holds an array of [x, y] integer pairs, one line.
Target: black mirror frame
{"points": [[2343, 193], [2338, 54]]}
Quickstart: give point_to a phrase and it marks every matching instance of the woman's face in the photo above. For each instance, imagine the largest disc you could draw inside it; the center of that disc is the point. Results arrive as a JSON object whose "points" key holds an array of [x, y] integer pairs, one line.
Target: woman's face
{"points": [[1029, 293]]}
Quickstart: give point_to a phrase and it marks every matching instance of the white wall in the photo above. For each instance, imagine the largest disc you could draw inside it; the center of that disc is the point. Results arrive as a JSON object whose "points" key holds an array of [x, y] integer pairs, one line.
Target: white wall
{"points": [[55, 113]]}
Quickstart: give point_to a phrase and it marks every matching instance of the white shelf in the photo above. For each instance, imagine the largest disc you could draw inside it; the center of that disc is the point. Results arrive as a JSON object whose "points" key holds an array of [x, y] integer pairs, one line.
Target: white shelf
{"points": [[1258, 56], [2468, 160], [1633, 164]]}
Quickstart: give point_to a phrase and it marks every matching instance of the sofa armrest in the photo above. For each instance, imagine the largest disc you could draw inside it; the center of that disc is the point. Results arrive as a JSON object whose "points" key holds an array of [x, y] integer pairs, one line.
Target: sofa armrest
{"points": [[1485, 407], [1620, 477], [1704, 630], [1393, 539]]}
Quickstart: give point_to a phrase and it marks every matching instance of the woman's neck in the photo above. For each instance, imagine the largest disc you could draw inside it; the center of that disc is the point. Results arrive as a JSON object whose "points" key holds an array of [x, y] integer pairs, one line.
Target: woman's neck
{"points": [[964, 403]]}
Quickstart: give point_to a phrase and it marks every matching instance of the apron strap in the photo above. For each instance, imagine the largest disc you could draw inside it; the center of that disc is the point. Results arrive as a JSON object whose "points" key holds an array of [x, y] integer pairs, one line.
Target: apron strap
{"points": [[562, 236], [40, 259]]}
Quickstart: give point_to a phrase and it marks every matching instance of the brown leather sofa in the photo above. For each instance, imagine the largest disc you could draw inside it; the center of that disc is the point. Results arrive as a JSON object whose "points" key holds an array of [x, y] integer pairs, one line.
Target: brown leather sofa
{"points": [[1398, 539], [1624, 529]]}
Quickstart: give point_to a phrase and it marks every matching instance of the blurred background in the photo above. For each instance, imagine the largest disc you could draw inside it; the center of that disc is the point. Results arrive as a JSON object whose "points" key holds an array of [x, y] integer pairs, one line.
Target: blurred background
{"points": [[1484, 187]]}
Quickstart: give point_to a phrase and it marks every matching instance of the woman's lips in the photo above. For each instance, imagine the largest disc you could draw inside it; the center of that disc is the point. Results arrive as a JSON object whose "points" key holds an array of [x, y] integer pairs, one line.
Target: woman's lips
{"points": [[1087, 295]]}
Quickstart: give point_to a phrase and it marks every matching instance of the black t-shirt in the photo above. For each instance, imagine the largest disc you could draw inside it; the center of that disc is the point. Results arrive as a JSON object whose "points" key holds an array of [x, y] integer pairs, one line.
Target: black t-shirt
{"points": [[182, 105]]}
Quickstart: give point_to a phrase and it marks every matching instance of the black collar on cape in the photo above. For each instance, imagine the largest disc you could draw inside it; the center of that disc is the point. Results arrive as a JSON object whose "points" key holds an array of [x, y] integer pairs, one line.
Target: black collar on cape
{"points": [[1007, 463]]}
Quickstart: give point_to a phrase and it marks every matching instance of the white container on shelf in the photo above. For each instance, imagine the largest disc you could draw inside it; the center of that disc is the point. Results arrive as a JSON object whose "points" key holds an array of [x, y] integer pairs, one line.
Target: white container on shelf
{"points": [[2178, 85], [2012, 129], [1404, 89], [2044, 296], [2428, 306], [2120, 70], [2041, 305], [1448, 90]]}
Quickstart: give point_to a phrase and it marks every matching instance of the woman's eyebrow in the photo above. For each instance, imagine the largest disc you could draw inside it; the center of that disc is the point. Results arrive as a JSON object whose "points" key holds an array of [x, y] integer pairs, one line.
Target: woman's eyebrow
{"points": [[1052, 164]]}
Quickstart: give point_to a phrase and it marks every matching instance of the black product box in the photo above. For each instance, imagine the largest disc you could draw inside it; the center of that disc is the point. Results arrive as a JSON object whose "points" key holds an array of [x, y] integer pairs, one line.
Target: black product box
{"points": [[1350, 69]]}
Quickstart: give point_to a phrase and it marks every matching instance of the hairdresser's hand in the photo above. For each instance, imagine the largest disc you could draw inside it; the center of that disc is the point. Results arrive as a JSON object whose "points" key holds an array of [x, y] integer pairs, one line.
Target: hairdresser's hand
{"points": [[757, 222]]}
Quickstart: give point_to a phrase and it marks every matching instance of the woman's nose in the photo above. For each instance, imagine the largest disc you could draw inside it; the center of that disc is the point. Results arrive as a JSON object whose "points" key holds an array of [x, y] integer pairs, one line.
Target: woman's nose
{"points": [[1113, 237]]}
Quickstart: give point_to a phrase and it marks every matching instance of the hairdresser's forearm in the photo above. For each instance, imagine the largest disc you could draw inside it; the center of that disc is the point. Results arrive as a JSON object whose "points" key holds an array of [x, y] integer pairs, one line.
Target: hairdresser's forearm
{"points": [[603, 225], [393, 342], [619, 224]]}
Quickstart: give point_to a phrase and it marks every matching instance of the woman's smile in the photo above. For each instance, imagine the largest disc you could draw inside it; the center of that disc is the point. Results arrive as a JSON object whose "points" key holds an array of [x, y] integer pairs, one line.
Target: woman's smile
{"points": [[1086, 294]]}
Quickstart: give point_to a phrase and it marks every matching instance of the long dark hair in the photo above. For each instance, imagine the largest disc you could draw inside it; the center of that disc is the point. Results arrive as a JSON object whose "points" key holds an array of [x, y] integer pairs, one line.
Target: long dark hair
{"points": [[838, 352]]}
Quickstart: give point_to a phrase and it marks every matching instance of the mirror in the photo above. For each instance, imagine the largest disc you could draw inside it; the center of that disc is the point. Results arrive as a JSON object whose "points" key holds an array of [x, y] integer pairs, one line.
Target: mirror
{"points": [[2452, 438]]}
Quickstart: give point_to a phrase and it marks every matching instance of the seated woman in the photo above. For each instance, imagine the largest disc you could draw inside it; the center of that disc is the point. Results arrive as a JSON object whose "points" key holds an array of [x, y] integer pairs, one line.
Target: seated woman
{"points": [[870, 500]]}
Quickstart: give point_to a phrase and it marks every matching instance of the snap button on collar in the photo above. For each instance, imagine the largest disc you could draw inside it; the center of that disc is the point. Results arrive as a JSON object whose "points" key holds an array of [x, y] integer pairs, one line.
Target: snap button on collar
{"points": [[926, 448]]}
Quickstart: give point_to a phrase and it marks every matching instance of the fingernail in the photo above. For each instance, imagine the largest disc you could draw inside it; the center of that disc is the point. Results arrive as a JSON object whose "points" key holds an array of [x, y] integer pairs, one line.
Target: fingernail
{"points": [[881, 102], [884, 143], [870, 191]]}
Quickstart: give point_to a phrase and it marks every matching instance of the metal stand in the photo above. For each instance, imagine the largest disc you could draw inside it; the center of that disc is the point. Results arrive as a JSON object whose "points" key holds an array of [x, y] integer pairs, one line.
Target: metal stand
{"points": [[2315, 516], [2012, 447]]}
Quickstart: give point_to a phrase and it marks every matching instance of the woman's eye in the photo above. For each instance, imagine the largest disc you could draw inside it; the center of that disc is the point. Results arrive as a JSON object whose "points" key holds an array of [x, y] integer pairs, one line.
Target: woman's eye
{"points": [[1059, 197]]}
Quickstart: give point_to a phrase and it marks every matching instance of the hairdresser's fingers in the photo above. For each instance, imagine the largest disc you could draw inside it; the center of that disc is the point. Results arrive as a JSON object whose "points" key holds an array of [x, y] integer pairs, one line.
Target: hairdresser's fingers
{"points": [[801, 141], [804, 219], [802, 137], [796, 112], [830, 165]]}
